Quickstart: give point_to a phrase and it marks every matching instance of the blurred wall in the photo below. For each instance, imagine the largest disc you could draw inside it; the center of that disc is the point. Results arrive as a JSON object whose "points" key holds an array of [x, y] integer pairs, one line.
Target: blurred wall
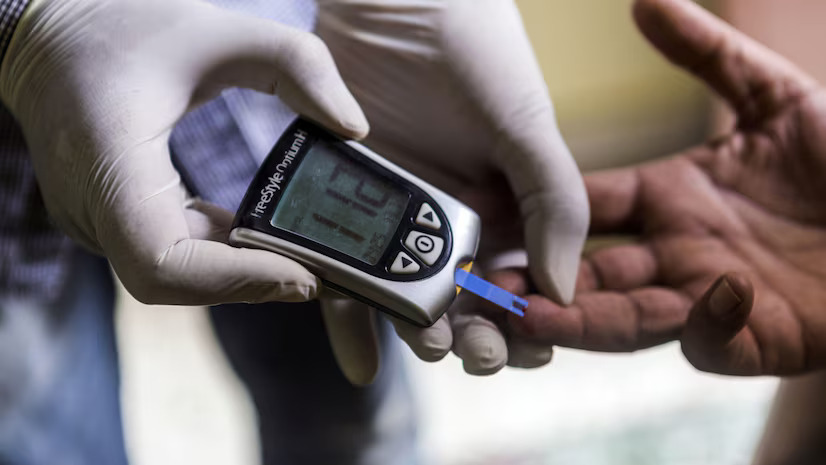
{"points": [[617, 100]]}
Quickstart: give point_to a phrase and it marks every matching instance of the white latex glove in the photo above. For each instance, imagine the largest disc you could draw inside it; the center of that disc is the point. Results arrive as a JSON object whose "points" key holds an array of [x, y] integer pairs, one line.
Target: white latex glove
{"points": [[97, 86], [454, 94]]}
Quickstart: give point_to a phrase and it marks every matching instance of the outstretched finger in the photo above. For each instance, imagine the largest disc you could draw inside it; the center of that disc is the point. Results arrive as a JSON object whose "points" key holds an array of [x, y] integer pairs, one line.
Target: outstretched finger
{"points": [[606, 320]]}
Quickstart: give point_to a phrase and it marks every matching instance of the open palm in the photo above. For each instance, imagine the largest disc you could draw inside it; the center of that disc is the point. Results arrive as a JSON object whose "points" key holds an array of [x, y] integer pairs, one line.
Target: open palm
{"points": [[731, 250]]}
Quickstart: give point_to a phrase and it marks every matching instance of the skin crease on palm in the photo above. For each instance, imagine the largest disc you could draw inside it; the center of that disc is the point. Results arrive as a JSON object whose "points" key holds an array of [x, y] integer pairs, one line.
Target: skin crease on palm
{"points": [[729, 255]]}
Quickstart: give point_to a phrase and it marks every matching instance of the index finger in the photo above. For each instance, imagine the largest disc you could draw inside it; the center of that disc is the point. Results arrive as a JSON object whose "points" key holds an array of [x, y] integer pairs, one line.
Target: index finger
{"points": [[611, 321], [608, 321]]}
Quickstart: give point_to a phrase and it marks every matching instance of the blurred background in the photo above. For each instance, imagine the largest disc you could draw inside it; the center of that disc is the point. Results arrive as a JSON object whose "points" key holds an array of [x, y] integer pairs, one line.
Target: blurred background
{"points": [[618, 102]]}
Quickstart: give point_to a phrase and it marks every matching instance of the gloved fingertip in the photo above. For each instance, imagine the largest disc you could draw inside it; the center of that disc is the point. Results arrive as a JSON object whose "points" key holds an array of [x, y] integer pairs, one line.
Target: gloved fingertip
{"points": [[565, 282], [356, 127], [435, 343], [302, 289], [342, 108], [429, 344], [485, 361], [316, 289], [555, 238], [351, 329], [433, 352], [482, 349], [312, 289], [556, 277], [430, 354], [361, 374]]}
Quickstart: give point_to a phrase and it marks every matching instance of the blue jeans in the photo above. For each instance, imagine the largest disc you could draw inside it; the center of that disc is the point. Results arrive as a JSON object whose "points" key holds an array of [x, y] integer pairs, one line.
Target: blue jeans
{"points": [[60, 383]]}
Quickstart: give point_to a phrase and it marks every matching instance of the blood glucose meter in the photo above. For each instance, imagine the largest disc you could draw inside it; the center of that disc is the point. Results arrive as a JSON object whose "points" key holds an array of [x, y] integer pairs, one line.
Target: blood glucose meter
{"points": [[366, 227]]}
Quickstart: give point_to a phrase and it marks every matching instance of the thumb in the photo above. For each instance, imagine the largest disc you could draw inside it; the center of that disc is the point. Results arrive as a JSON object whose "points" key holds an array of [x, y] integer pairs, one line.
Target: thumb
{"points": [[277, 59], [351, 328], [713, 339], [753, 79]]}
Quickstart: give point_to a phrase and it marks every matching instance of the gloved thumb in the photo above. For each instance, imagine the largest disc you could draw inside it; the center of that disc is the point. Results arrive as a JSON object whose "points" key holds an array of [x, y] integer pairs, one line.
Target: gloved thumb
{"points": [[351, 329], [713, 339], [277, 59]]}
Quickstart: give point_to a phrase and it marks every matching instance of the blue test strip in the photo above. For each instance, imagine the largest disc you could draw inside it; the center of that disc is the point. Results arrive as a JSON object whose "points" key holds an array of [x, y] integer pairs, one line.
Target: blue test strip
{"points": [[488, 291]]}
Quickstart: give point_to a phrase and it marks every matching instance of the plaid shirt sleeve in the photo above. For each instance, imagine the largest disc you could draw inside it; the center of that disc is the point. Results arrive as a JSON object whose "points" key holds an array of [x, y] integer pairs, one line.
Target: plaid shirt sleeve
{"points": [[10, 13]]}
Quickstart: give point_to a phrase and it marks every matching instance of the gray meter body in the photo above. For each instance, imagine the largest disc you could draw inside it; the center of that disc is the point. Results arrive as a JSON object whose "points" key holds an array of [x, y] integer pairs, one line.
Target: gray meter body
{"points": [[366, 227]]}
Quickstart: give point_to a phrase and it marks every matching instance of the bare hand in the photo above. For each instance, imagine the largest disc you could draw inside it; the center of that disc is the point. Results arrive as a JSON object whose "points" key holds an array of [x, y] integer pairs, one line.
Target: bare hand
{"points": [[731, 250]]}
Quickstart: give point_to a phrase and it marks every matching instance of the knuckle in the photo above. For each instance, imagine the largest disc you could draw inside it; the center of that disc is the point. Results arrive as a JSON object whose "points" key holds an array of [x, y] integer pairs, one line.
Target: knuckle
{"points": [[151, 283], [307, 54], [311, 44]]}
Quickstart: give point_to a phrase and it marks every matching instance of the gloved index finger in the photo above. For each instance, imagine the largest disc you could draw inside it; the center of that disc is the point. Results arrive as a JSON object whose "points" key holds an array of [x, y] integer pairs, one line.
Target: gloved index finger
{"points": [[553, 204]]}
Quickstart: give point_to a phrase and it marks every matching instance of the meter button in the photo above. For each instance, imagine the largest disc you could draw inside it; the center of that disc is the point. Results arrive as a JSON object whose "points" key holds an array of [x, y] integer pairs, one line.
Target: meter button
{"points": [[427, 247], [428, 218], [403, 264]]}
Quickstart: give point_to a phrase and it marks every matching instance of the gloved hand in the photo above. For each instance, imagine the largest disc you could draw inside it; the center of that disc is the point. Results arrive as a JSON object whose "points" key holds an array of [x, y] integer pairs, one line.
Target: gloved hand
{"points": [[97, 86], [454, 94]]}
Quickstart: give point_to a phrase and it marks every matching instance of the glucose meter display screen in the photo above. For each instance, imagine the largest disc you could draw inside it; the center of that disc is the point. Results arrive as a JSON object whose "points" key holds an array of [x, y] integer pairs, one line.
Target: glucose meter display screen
{"points": [[336, 202]]}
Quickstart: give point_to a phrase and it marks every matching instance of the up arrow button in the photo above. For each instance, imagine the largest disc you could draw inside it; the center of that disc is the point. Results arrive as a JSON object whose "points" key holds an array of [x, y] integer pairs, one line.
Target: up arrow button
{"points": [[428, 218]]}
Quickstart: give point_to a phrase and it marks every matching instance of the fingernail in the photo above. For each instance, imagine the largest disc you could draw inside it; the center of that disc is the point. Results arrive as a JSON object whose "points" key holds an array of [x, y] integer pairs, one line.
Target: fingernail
{"points": [[723, 300]]}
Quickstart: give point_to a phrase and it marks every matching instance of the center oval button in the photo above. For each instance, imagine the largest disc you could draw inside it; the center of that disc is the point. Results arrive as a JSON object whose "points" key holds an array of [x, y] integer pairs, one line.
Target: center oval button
{"points": [[427, 247]]}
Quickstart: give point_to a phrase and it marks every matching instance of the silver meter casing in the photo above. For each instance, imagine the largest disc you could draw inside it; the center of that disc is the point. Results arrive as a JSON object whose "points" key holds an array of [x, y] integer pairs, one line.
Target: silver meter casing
{"points": [[419, 298]]}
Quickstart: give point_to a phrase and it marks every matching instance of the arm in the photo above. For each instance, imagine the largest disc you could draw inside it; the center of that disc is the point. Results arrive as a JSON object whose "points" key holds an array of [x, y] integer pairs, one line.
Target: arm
{"points": [[797, 424]]}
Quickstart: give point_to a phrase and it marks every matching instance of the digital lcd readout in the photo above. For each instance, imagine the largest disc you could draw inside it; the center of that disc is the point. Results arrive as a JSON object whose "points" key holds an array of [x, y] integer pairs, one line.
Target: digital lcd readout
{"points": [[336, 202]]}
